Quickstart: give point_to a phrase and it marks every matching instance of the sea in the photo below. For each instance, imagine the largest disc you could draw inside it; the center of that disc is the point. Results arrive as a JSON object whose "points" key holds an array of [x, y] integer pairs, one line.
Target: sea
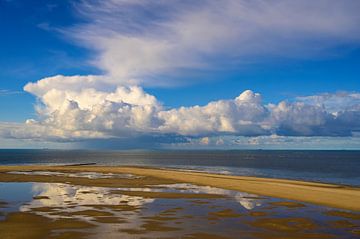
{"points": [[328, 166]]}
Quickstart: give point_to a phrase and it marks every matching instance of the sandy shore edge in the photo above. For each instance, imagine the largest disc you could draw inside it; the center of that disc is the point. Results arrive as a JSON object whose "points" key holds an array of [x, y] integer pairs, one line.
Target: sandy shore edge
{"points": [[338, 196]]}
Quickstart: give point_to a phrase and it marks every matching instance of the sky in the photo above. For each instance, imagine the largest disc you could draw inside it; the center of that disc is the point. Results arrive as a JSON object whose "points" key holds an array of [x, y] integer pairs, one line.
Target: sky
{"points": [[143, 74]]}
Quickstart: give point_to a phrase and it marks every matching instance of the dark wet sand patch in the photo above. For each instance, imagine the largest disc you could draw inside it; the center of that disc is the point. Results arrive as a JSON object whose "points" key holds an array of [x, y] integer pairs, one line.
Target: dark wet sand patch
{"points": [[121, 207], [255, 197], [200, 202], [89, 192], [187, 217], [214, 206], [171, 211], [70, 235], [21, 225], [40, 197], [288, 204], [258, 214], [352, 227], [267, 235], [225, 213], [160, 218], [203, 235], [46, 209], [356, 232], [345, 224], [284, 224], [342, 224], [68, 223], [132, 231], [152, 225], [351, 215]]}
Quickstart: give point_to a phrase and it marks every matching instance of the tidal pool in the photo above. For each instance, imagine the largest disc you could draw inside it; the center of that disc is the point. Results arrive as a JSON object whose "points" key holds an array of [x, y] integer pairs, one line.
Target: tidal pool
{"points": [[61, 210]]}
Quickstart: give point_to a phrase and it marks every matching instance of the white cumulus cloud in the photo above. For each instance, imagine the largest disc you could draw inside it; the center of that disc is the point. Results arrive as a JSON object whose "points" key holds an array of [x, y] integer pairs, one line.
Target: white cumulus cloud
{"points": [[75, 106], [78, 110]]}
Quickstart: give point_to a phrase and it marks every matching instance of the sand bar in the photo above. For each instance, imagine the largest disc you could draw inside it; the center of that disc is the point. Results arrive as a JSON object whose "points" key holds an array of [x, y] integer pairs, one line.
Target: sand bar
{"points": [[338, 196]]}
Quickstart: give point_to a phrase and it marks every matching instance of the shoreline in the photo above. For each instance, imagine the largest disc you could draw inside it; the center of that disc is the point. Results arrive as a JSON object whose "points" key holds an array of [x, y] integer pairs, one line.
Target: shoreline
{"points": [[337, 196]]}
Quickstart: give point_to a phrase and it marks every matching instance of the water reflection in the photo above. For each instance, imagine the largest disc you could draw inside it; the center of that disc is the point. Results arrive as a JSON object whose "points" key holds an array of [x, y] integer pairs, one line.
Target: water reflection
{"points": [[248, 201], [73, 198], [13, 196], [119, 214], [115, 213]]}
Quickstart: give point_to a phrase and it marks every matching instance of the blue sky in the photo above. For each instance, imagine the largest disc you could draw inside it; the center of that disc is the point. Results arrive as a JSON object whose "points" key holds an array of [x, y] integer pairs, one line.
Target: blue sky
{"points": [[179, 54], [29, 52]]}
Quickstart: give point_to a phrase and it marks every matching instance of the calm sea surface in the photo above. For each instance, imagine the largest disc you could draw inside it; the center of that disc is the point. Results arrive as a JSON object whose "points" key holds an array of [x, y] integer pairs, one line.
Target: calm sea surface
{"points": [[341, 167]]}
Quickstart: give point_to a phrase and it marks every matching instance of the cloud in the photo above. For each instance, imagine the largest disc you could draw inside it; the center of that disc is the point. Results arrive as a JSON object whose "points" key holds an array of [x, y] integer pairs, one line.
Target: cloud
{"points": [[318, 115], [74, 105], [333, 102], [243, 115], [78, 108], [72, 108], [139, 41]]}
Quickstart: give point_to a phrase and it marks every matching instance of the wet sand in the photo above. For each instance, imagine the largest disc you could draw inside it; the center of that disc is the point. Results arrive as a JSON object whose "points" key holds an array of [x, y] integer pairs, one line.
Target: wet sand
{"points": [[132, 202], [337, 196]]}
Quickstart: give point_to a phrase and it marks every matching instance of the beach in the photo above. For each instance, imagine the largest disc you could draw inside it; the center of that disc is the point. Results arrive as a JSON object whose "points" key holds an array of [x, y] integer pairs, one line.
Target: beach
{"points": [[83, 200], [337, 196]]}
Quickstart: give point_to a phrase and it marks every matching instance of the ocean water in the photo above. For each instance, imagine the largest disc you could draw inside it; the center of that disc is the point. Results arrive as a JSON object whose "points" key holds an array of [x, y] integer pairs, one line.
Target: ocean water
{"points": [[340, 167]]}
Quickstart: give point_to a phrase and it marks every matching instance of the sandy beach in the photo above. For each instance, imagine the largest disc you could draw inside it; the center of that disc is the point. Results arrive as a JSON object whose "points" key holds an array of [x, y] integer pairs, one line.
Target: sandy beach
{"points": [[61, 202], [337, 196]]}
